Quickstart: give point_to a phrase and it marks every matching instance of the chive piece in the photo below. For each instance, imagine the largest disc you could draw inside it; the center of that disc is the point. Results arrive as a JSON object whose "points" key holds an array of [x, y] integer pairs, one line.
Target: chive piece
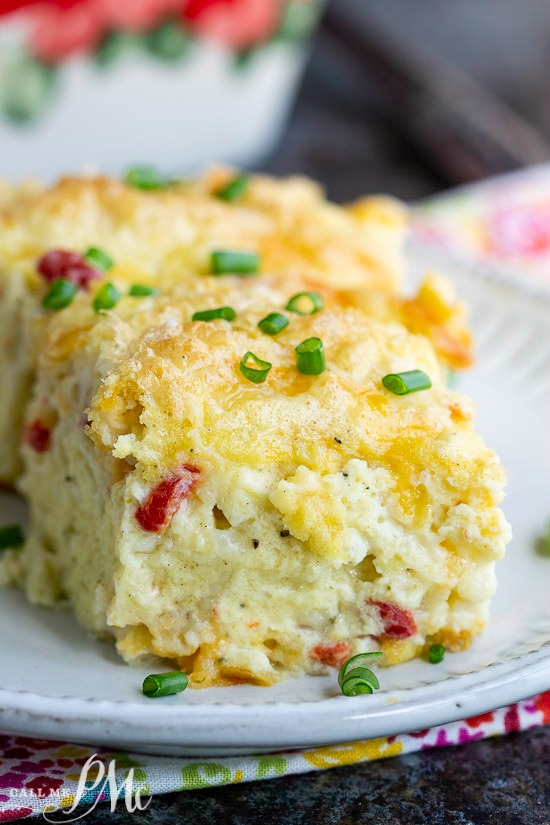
{"points": [[306, 303], [360, 680], [11, 536], [273, 323], [60, 294], [144, 177], [256, 374], [98, 258], [547, 541], [355, 662], [164, 684], [226, 262], [436, 654], [227, 313], [402, 383], [107, 297], [355, 679], [234, 189], [310, 358], [142, 291]]}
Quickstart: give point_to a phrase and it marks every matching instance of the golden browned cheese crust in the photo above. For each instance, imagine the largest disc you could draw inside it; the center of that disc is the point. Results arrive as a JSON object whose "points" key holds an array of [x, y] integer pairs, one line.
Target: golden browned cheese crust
{"points": [[166, 237], [353, 256], [296, 231]]}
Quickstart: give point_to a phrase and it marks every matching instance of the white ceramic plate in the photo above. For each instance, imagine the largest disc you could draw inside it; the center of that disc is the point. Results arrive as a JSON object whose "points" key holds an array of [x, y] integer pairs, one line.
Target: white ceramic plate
{"points": [[56, 682]]}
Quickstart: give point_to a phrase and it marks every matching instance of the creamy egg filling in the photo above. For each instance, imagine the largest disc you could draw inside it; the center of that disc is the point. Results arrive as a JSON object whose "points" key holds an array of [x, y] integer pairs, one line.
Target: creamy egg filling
{"points": [[260, 574]]}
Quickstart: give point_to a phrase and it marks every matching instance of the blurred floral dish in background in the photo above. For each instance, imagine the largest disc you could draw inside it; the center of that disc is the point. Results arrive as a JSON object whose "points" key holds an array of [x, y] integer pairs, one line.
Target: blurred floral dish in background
{"points": [[64, 60]]}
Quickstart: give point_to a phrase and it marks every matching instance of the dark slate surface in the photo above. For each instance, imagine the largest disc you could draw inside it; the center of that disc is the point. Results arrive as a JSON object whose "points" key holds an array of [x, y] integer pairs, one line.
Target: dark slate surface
{"points": [[496, 782], [335, 136]]}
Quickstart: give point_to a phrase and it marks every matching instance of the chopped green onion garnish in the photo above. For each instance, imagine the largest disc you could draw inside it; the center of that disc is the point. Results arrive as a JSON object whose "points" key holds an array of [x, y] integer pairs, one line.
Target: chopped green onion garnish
{"points": [[355, 686], [436, 654], [106, 297], [164, 684], [359, 680], [547, 541], [354, 662], [225, 262], [310, 358], [144, 177], [60, 294], [12, 536], [258, 373], [142, 291], [234, 189], [98, 258], [355, 679], [402, 383], [227, 313], [273, 323], [306, 303]]}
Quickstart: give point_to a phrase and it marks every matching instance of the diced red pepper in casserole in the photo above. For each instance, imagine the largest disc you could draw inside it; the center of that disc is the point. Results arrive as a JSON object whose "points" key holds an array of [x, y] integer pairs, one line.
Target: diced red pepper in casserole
{"points": [[60, 263], [397, 622], [332, 655], [163, 502], [37, 436]]}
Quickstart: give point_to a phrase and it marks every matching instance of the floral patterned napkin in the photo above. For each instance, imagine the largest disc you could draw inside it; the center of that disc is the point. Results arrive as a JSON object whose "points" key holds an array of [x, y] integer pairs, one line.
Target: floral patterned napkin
{"points": [[502, 225]]}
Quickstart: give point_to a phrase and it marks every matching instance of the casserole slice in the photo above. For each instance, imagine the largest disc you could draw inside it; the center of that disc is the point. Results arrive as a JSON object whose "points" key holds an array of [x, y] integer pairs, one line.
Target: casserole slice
{"points": [[252, 527]]}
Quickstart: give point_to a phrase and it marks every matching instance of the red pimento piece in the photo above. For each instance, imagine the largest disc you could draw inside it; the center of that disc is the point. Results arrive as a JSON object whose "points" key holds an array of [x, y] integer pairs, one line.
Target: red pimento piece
{"points": [[37, 436], [56, 262], [397, 622], [157, 511], [82, 275], [332, 655], [60, 263]]}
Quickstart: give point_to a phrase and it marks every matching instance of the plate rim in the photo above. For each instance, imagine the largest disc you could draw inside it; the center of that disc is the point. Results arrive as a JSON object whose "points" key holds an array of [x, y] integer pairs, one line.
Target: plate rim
{"points": [[216, 725]]}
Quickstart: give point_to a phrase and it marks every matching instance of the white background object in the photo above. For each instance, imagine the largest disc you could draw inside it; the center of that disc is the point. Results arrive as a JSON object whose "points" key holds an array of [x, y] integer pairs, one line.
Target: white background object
{"points": [[178, 118]]}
